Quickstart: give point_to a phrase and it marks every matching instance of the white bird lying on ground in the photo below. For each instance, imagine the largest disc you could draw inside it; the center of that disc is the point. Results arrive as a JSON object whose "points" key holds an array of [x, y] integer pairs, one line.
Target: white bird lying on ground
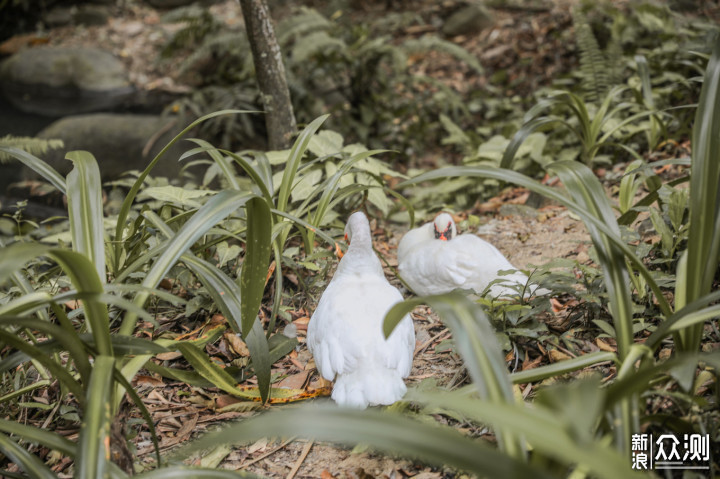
{"points": [[433, 259], [345, 333]]}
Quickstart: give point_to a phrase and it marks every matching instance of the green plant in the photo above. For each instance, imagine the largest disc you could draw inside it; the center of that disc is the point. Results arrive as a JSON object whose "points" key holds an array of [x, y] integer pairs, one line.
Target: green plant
{"points": [[694, 303]]}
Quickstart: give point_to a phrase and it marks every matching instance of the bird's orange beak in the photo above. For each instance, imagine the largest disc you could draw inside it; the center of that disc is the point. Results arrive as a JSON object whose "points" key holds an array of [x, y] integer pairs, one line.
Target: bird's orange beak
{"points": [[338, 251], [442, 237]]}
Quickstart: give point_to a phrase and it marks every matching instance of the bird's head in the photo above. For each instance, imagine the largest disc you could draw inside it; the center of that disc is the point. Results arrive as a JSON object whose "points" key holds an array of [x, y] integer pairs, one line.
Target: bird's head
{"points": [[357, 224], [444, 227]]}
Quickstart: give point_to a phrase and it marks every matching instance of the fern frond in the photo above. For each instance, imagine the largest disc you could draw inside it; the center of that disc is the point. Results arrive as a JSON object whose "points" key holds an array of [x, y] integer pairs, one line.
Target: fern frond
{"points": [[34, 146], [594, 67]]}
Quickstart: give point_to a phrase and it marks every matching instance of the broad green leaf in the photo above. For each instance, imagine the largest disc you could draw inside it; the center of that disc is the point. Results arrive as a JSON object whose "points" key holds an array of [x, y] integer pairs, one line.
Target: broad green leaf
{"points": [[94, 442], [325, 143], [85, 209]]}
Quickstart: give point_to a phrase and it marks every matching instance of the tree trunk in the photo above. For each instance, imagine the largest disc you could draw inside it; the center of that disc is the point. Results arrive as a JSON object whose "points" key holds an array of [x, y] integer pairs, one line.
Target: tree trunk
{"points": [[270, 74]]}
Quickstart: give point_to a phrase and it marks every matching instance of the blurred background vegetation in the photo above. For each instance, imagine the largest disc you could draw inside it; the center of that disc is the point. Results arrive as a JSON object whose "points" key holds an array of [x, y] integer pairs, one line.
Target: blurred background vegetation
{"points": [[193, 267]]}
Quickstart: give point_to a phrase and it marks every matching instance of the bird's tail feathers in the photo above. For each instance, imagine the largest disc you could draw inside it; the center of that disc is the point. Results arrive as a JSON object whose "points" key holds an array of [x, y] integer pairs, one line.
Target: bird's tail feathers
{"points": [[368, 387]]}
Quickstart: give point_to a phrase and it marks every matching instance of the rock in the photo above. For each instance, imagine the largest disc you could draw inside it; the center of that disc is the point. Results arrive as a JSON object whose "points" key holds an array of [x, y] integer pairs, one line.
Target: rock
{"points": [[56, 81], [117, 141], [77, 15], [169, 3], [470, 19], [522, 211]]}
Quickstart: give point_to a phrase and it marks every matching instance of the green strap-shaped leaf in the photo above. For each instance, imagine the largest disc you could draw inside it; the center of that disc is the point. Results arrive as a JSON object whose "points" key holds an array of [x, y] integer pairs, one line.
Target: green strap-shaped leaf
{"points": [[130, 198], [477, 344], [562, 367], [293, 161], [85, 209], [29, 463], [256, 260], [84, 277], [216, 209], [257, 344], [15, 256], [68, 338], [704, 233], [386, 432], [210, 371], [38, 166], [33, 434], [94, 441], [186, 472], [545, 431]]}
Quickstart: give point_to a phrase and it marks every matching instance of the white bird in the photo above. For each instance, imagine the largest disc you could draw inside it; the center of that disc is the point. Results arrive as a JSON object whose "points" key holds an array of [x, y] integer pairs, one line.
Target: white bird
{"points": [[433, 259], [345, 332]]}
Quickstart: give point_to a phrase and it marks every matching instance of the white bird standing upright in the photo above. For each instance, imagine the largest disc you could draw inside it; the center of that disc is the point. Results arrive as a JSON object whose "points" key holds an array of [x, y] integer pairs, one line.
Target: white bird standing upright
{"points": [[433, 259], [345, 332]]}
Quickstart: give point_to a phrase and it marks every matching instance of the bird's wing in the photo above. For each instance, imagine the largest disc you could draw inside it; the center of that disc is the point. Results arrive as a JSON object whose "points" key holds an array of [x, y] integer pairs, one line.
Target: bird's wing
{"points": [[324, 337]]}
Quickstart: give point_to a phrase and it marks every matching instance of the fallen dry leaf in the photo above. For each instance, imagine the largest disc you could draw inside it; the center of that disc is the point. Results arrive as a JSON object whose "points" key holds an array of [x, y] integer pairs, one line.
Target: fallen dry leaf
{"points": [[236, 344], [556, 355], [604, 346]]}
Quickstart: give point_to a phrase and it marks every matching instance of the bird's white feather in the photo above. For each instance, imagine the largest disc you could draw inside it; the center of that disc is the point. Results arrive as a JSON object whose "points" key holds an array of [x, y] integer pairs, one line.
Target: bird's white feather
{"points": [[433, 266], [345, 332]]}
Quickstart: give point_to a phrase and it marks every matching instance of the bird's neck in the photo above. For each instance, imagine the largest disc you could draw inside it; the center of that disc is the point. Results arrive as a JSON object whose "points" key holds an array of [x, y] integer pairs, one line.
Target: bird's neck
{"points": [[360, 257]]}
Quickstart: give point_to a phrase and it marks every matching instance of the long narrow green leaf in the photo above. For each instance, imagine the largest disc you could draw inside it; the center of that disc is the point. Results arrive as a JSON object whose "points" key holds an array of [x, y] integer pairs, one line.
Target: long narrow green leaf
{"points": [[186, 472], [38, 355], [16, 256], [704, 233], [256, 260], [130, 198], [209, 370], [84, 277], [259, 348], [293, 161], [544, 431], [587, 191], [391, 433], [216, 209], [38, 166], [477, 344], [217, 157], [29, 463], [69, 339], [94, 441], [36, 435], [562, 367], [85, 209]]}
